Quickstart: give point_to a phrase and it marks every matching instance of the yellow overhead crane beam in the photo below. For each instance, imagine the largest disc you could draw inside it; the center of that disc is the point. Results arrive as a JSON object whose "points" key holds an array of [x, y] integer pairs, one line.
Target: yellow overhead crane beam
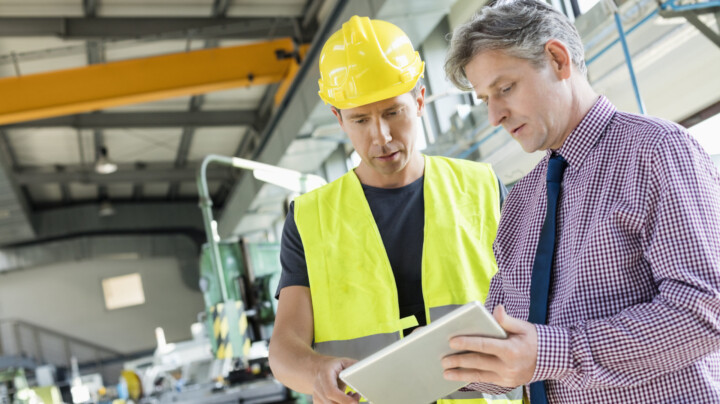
{"points": [[135, 81], [292, 72]]}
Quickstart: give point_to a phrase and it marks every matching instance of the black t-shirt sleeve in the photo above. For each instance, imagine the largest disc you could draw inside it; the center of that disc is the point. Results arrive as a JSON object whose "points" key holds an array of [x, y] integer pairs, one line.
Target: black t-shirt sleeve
{"points": [[292, 255]]}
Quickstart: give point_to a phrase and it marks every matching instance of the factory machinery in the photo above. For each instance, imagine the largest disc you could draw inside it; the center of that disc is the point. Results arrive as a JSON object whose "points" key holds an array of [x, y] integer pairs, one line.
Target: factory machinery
{"points": [[226, 361]]}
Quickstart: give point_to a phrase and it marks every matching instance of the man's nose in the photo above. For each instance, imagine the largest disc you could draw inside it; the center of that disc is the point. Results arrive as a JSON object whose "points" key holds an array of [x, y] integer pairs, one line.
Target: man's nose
{"points": [[497, 113], [381, 133]]}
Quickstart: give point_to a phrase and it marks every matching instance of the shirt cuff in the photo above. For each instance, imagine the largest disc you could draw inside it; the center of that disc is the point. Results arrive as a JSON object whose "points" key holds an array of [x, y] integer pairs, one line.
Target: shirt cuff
{"points": [[554, 360], [486, 388]]}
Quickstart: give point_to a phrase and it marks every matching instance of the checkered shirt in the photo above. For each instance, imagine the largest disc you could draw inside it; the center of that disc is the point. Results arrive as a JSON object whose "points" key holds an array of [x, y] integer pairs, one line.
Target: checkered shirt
{"points": [[634, 314]]}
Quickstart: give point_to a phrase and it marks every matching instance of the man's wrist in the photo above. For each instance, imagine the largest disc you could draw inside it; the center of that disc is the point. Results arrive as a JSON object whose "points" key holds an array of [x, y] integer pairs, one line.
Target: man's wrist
{"points": [[554, 359]]}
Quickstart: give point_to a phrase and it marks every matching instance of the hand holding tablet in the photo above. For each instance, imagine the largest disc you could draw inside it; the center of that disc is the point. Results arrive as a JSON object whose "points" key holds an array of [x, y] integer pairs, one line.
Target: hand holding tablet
{"points": [[410, 370]]}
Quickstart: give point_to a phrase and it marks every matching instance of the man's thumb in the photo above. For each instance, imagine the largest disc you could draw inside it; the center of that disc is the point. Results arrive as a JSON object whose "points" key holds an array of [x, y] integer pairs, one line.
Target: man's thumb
{"points": [[508, 323]]}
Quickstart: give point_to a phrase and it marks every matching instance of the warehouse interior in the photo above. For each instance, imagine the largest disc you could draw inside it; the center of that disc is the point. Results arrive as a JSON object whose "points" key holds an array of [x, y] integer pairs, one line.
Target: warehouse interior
{"points": [[110, 106]]}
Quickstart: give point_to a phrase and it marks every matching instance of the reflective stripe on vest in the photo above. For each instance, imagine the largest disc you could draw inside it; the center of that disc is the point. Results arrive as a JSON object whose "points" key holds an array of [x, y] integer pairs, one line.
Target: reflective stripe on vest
{"points": [[514, 396], [352, 286]]}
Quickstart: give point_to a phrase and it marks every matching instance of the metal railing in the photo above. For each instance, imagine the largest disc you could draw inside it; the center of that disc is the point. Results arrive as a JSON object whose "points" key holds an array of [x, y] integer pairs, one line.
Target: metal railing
{"points": [[27, 342]]}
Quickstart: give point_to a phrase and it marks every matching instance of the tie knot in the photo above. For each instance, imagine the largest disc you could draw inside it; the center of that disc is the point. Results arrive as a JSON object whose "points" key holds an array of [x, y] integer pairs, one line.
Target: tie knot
{"points": [[556, 168]]}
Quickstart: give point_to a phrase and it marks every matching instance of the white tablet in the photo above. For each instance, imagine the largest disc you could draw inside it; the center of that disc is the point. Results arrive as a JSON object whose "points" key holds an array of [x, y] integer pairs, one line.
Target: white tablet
{"points": [[409, 370]]}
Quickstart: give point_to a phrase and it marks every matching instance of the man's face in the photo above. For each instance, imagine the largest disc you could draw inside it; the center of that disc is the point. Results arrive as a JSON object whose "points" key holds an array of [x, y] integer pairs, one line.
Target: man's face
{"points": [[383, 133], [531, 103]]}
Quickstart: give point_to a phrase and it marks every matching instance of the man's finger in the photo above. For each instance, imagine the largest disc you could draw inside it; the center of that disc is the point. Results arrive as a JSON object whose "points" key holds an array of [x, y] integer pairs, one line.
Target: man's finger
{"points": [[471, 360], [333, 391], [488, 346], [470, 375], [337, 396]]}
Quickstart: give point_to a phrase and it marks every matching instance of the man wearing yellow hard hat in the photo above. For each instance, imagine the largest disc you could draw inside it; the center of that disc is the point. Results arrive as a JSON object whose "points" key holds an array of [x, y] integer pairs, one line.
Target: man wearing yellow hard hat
{"points": [[397, 242]]}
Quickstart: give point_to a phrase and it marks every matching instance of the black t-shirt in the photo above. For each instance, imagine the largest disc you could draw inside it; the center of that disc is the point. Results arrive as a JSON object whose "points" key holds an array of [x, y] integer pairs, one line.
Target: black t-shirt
{"points": [[400, 217]]}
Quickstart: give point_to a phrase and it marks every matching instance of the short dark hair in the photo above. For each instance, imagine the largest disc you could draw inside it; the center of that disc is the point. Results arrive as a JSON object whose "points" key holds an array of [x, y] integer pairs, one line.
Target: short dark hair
{"points": [[415, 91]]}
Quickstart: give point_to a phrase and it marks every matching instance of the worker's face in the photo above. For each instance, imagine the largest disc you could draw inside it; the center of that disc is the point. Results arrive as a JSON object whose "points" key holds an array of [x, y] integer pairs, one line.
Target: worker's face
{"points": [[531, 103], [383, 133]]}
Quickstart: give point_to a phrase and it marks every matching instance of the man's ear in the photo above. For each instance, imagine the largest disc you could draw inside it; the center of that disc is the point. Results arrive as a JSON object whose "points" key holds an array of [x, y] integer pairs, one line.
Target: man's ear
{"points": [[420, 99], [559, 56], [338, 115]]}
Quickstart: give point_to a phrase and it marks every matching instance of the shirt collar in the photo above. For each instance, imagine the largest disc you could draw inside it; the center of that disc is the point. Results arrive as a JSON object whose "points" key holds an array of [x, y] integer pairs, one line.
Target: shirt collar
{"points": [[587, 134]]}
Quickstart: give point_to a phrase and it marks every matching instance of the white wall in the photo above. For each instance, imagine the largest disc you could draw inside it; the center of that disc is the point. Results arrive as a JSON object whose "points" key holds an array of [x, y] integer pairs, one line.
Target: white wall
{"points": [[68, 298]]}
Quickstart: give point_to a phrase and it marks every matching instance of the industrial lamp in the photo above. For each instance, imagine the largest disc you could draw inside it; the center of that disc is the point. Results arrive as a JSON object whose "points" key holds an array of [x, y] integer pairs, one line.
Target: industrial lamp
{"points": [[106, 208], [103, 165]]}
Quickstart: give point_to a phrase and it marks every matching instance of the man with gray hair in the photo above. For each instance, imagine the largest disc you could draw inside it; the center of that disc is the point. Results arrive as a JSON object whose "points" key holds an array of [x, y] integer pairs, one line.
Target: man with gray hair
{"points": [[609, 247]]}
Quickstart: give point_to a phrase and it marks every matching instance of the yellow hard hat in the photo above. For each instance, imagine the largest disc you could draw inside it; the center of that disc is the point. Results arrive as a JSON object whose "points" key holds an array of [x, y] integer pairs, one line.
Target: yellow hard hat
{"points": [[367, 61]]}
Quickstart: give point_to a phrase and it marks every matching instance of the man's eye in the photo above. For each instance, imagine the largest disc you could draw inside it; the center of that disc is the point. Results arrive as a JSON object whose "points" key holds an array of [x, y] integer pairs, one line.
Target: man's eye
{"points": [[507, 89]]}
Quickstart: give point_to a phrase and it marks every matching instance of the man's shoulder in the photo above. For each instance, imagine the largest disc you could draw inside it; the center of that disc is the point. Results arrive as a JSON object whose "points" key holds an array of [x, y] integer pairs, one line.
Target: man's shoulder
{"points": [[644, 129], [470, 164], [329, 187], [460, 166]]}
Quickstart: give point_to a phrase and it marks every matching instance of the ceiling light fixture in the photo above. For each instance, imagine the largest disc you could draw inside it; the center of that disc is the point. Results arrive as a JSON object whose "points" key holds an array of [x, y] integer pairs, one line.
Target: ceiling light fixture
{"points": [[106, 209], [103, 165]]}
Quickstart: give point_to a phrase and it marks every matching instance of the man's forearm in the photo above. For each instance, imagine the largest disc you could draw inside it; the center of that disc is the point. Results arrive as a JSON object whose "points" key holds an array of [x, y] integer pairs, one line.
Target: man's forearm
{"points": [[294, 363], [641, 343]]}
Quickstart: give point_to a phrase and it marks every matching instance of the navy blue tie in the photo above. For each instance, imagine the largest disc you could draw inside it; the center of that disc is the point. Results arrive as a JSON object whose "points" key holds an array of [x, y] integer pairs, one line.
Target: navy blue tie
{"points": [[542, 267]]}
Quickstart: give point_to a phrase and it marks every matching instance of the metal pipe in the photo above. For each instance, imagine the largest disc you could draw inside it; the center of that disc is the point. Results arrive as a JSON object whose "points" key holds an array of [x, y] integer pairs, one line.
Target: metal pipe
{"points": [[306, 182], [671, 4], [479, 143], [668, 4], [628, 60], [38, 347], [613, 43], [312, 55], [210, 227], [629, 14]]}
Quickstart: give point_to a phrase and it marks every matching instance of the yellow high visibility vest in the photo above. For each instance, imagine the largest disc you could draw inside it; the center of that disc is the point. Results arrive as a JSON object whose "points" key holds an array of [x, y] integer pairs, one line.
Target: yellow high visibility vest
{"points": [[354, 296]]}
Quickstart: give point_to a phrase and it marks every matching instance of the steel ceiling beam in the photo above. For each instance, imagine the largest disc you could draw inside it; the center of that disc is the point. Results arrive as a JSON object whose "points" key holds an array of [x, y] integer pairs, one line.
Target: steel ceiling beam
{"points": [[95, 55], [142, 80], [297, 105], [14, 210], [219, 9], [691, 12], [126, 175], [132, 120], [130, 28]]}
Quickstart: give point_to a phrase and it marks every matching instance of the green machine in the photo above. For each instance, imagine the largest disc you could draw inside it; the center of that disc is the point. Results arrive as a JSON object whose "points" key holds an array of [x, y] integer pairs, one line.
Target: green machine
{"points": [[14, 387], [238, 279], [225, 316], [251, 273]]}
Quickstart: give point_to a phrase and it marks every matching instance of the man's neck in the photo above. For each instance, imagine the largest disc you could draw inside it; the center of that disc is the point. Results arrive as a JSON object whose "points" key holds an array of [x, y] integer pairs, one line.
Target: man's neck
{"points": [[413, 170], [584, 98]]}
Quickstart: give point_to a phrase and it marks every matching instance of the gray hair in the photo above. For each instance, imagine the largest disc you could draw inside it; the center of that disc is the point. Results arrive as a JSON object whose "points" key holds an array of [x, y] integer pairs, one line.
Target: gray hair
{"points": [[520, 28]]}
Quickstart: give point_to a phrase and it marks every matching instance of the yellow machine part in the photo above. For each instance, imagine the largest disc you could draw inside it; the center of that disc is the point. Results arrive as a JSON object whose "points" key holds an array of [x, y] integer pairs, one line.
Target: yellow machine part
{"points": [[133, 384], [48, 394]]}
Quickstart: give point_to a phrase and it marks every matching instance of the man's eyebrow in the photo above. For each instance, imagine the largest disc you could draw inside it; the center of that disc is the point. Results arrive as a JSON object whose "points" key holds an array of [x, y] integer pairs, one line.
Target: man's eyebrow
{"points": [[394, 106], [358, 115], [491, 86]]}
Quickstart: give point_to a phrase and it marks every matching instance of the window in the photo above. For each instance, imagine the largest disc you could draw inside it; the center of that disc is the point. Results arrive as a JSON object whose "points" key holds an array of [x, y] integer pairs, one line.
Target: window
{"points": [[123, 291], [706, 133]]}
